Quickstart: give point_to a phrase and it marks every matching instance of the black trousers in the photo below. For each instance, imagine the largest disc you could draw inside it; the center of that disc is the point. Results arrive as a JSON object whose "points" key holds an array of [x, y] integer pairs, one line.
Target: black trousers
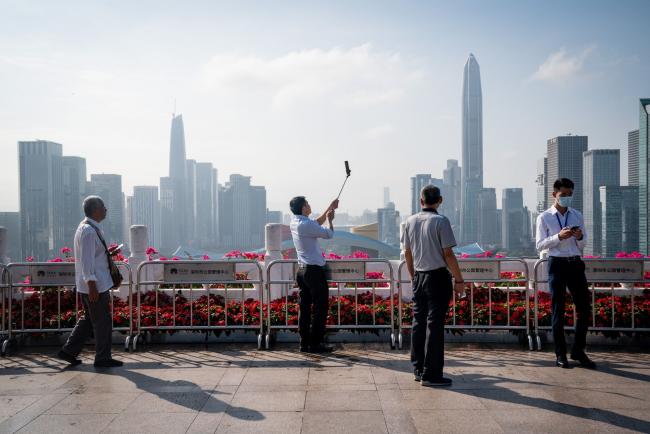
{"points": [[97, 318], [568, 273], [432, 292], [312, 281]]}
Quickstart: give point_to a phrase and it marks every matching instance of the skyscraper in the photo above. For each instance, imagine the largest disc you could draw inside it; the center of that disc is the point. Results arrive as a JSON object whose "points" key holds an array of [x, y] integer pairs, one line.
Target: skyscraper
{"points": [[109, 188], [242, 213], [205, 222], [452, 192], [601, 167], [472, 152], [513, 221], [417, 183], [176, 227], [488, 225], [542, 185], [41, 198], [74, 191], [144, 209], [564, 160], [11, 221], [619, 208], [633, 157], [190, 202], [388, 225], [386, 195], [644, 174]]}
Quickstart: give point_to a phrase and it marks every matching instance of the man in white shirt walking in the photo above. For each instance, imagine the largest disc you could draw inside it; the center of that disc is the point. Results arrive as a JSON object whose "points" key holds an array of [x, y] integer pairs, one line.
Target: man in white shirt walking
{"points": [[93, 280], [561, 231]]}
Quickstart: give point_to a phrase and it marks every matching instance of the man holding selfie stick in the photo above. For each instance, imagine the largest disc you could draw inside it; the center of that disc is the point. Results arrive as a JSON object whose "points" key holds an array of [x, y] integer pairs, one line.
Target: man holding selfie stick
{"points": [[428, 249], [312, 272], [561, 231]]}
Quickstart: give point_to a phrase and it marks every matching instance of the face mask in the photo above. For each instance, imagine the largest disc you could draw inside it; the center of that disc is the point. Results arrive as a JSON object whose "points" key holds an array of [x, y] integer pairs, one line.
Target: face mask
{"points": [[564, 201]]}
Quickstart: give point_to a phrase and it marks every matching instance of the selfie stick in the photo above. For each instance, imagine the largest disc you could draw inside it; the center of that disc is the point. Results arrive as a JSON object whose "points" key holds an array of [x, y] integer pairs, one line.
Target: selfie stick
{"points": [[347, 173]]}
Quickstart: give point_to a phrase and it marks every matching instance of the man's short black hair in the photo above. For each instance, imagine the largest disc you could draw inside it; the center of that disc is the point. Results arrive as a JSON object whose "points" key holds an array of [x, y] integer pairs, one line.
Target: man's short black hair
{"points": [[430, 194], [296, 204], [563, 183]]}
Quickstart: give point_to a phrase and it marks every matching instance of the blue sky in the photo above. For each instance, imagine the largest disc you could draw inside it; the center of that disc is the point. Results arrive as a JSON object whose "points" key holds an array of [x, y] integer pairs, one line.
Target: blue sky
{"points": [[285, 91]]}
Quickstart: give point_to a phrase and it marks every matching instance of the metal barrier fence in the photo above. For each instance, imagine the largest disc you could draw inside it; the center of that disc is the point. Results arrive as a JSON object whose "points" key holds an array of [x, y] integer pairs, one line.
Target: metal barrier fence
{"points": [[3, 325], [209, 312], [51, 289], [618, 275], [348, 276], [488, 271]]}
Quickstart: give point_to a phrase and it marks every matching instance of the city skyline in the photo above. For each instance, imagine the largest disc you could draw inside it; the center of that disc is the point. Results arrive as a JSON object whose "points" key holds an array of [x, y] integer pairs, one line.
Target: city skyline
{"points": [[248, 102]]}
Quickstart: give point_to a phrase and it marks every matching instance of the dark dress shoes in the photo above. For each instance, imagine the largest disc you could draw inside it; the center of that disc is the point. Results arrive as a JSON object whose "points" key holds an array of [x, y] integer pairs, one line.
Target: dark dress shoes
{"points": [[562, 362], [435, 382], [584, 361], [319, 349], [110, 363], [72, 360], [417, 374]]}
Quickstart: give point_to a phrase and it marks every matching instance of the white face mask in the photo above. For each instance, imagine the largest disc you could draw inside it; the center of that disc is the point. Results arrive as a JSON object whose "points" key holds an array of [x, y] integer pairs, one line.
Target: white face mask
{"points": [[564, 201]]}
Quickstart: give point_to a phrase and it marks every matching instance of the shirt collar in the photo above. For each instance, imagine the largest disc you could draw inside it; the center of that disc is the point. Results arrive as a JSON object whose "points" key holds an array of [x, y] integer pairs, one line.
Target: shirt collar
{"points": [[96, 223], [433, 210], [554, 210], [300, 217]]}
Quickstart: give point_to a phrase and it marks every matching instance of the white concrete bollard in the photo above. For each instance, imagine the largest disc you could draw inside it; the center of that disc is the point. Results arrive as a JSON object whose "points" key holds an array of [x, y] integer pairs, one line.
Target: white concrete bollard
{"points": [[138, 245], [4, 245], [273, 245]]}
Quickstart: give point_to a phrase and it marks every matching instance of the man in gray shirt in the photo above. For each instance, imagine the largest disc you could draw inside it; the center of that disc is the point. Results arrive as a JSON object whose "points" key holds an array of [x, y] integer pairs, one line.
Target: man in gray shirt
{"points": [[428, 241]]}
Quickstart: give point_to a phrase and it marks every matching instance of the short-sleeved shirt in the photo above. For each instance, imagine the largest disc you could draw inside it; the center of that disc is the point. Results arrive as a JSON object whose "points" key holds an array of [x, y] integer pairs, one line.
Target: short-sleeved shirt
{"points": [[305, 233], [427, 234]]}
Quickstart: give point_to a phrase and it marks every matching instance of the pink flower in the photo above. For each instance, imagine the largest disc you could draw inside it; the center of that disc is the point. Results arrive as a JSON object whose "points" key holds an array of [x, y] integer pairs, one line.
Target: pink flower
{"points": [[55, 260], [29, 259], [151, 251], [206, 258], [65, 250], [175, 258]]}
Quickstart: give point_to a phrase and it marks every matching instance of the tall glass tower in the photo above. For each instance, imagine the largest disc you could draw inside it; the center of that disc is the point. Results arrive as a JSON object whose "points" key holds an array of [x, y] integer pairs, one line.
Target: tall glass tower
{"points": [[472, 166], [644, 175]]}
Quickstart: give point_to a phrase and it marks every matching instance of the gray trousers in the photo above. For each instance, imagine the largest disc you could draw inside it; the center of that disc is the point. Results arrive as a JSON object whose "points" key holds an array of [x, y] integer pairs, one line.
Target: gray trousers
{"points": [[97, 318]]}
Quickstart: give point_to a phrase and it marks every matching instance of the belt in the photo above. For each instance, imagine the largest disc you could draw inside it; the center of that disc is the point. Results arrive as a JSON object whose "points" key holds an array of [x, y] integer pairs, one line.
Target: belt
{"points": [[566, 258], [306, 266]]}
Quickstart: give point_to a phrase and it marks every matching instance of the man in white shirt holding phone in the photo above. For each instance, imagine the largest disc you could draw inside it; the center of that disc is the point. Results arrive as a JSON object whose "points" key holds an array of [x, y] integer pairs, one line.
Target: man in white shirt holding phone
{"points": [[561, 231]]}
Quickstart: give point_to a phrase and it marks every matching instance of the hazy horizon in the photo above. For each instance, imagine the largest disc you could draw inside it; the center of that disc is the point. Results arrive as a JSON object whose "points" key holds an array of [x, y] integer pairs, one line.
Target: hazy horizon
{"points": [[285, 93]]}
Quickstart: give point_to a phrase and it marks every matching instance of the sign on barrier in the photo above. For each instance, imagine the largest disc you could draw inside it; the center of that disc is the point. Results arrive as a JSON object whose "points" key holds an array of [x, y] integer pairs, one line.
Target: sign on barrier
{"points": [[199, 272], [347, 270], [480, 270], [604, 270], [62, 274]]}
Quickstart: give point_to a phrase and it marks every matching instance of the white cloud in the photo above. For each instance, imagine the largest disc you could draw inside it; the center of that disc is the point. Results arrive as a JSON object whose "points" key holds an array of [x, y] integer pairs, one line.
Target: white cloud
{"points": [[562, 66], [354, 77]]}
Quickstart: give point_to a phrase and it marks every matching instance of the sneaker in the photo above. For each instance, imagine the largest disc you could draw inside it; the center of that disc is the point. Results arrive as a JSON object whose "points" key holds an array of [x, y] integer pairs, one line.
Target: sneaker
{"points": [[110, 363], [72, 360], [321, 349], [417, 374], [435, 382]]}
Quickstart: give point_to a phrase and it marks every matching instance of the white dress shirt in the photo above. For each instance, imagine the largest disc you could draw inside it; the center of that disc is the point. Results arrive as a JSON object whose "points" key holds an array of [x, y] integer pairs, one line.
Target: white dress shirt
{"points": [[305, 233], [90, 259], [549, 225]]}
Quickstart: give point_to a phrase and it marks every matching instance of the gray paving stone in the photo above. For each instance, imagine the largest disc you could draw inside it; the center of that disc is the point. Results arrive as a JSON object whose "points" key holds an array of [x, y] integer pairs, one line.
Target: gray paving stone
{"points": [[341, 422], [68, 423], [255, 422], [93, 402], [318, 400], [455, 421], [151, 423], [270, 401]]}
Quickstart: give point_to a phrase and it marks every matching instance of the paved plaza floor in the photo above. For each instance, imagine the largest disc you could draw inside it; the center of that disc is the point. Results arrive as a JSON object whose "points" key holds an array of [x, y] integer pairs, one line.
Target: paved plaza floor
{"points": [[359, 389]]}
